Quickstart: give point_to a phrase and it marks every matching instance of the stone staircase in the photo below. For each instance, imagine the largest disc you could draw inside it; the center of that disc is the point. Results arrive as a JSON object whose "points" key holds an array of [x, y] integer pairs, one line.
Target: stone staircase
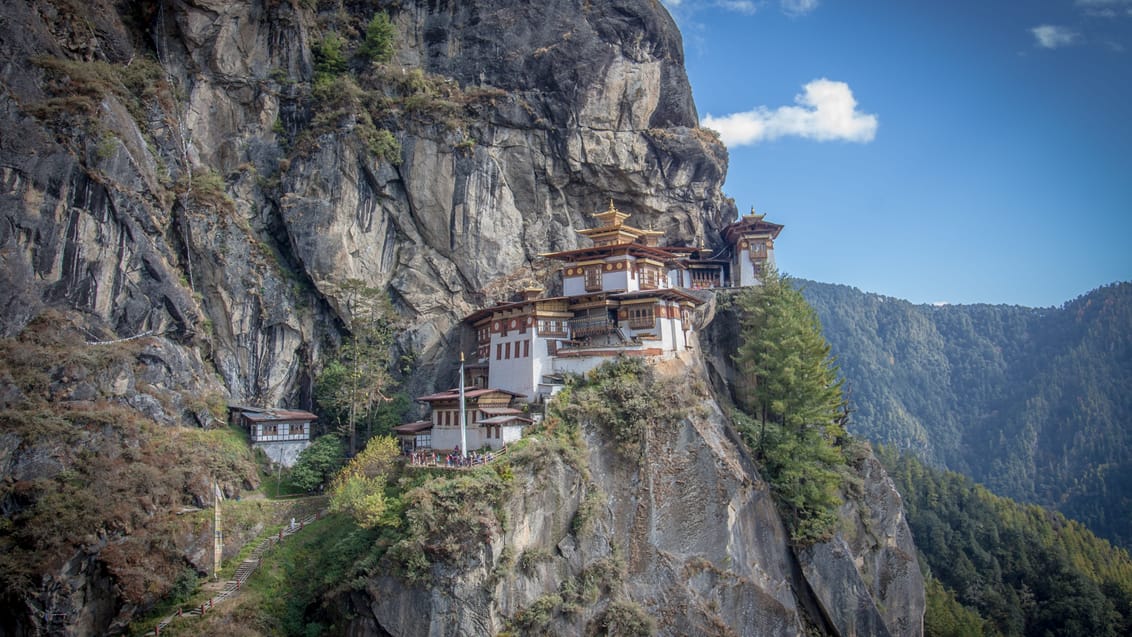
{"points": [[244, 571]]}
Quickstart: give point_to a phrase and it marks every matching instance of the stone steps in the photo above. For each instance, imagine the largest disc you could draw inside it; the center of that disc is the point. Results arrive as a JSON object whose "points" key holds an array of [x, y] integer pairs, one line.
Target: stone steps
{"points": [[245, 570]]}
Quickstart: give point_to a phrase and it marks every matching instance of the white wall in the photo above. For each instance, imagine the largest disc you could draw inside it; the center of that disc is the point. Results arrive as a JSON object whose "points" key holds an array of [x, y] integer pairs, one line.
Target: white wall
{"points": [[573, 285], [509, 434], [619, 280], [743, 271], [285, 453], [516, 373]]}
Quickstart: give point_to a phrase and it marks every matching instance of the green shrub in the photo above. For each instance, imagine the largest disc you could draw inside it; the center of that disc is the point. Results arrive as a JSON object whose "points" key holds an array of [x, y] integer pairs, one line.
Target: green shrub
{"points": [[318, 462], [379, 39], [531, 558], [619, 398], [535, 618], [382, 144], [329, 57], [625, 619]]}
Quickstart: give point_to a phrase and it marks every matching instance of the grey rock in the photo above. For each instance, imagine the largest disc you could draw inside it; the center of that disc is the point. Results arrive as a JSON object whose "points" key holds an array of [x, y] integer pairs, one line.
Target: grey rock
{"points": [[704, 549]]}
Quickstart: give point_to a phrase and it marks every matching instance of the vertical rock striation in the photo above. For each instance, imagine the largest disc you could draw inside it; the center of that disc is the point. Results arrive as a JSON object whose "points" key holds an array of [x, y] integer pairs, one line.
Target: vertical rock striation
{"points": [[178, 204], [690, 528]]}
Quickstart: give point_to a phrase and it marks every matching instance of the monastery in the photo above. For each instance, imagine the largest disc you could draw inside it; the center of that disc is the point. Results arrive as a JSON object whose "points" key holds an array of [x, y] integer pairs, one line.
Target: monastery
{"points": [[623, 296]]}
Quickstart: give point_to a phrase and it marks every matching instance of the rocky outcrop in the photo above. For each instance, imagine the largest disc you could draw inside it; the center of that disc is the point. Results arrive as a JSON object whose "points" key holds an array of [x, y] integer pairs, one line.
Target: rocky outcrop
{"points": [[157, 184], [692, 533], [867, 578]]}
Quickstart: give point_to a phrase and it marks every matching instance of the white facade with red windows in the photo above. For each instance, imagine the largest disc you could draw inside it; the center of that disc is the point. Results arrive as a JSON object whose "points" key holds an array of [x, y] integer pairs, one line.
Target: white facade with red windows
{"points": [[623, 296], [617, 300]]}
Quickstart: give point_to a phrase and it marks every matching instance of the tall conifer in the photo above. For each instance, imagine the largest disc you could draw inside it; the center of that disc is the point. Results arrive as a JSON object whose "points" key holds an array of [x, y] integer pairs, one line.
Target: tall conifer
{"points": [[791, 388]]}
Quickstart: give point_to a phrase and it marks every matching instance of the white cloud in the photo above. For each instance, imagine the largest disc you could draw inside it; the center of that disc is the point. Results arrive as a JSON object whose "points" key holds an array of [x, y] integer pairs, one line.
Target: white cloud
{"points": [[1051, 36], [825, 111], [748, 7], [1106, 8], [739, 6], [798, 7]]}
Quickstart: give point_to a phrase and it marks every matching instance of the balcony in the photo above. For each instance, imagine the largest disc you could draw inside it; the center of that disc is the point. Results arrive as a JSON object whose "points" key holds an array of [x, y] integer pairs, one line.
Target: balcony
{"points": [[582, 328], [642, 323]]}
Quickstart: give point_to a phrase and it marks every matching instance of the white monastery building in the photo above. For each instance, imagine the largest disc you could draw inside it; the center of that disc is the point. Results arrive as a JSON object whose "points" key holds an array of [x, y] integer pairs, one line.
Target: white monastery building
{"points": [[623, 296]]}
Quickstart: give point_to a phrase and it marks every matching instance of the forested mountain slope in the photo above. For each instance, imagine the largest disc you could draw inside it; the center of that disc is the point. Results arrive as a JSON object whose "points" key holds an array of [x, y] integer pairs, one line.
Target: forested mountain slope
{"points": [[1031, 402], [1023, 569]]}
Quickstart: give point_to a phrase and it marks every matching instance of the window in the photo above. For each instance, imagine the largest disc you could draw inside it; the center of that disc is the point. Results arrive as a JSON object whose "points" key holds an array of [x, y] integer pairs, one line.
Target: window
{"points": [[650, 278], [507, 350], [641, 317], [552, 347], [499, 351], [593, 278], [552, 327], [527, 348]]}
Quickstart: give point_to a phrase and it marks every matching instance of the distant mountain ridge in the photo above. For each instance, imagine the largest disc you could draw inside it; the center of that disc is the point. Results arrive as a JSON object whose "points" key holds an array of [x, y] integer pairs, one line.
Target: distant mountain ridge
{"points": [[1032, 402]]}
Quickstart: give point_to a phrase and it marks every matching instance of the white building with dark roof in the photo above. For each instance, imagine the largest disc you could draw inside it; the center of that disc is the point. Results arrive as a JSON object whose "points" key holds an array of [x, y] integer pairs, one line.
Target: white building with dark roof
{"points": [[281, 433]]}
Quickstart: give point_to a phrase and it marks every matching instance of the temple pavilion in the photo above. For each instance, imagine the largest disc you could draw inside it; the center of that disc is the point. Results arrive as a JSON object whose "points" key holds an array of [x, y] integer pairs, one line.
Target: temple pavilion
{"points": [[624, 295]]}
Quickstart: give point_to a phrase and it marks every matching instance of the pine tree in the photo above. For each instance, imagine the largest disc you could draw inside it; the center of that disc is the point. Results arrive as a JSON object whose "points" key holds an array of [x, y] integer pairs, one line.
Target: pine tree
{"points": [[357, 380], [793, 380], [792, 390]]}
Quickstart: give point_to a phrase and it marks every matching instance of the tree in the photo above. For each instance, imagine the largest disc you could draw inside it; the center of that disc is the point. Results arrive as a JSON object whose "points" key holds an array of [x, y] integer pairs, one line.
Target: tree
{"points": [[380, 34], [795, 380], [357, 379], [359, 488], [329, 59], [317, 463], [793, 393]]}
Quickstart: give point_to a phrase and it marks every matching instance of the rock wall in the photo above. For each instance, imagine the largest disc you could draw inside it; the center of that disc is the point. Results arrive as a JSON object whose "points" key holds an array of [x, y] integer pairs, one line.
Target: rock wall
{"points": [[182, 205], [695, 529]]}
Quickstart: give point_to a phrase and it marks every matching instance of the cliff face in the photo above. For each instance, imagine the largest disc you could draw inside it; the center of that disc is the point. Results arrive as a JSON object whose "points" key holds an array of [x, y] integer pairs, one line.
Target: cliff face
{"points": [[684, 533], [173, 172]]}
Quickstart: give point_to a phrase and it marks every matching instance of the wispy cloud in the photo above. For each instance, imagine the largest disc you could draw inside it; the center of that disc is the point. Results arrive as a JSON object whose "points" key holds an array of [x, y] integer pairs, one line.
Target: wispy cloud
{"points": [[1106, 8], [1050, 36], [826, 111], [739, 6], [798, 7], [747, 7]]}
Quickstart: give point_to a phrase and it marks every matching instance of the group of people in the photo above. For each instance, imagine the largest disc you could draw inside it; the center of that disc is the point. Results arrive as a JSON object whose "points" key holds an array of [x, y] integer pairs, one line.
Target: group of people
{"points": [[454, 459]]}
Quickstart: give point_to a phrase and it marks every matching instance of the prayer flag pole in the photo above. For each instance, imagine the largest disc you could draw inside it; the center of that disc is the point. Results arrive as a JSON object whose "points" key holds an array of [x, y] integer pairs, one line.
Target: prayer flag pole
{"points": [[463, 417]]}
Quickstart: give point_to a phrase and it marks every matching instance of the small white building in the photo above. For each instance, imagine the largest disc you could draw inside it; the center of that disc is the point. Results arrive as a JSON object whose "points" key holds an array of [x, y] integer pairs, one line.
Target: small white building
{"points": [[281, 433], [490, 420], [518, 341]]}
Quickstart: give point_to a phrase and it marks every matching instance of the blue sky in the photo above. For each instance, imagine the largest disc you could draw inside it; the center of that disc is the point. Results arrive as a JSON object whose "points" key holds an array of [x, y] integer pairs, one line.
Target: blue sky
{"points": [[961, 151]]}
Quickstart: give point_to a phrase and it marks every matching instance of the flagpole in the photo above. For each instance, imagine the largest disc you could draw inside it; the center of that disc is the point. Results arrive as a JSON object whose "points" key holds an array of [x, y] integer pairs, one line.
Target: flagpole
{"points": [[463, 417], [217, 533]]}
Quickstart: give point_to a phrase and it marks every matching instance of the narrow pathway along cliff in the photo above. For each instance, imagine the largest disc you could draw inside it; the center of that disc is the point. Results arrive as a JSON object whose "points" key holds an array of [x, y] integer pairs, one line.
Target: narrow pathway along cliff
{"points": [[245, 570]]}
